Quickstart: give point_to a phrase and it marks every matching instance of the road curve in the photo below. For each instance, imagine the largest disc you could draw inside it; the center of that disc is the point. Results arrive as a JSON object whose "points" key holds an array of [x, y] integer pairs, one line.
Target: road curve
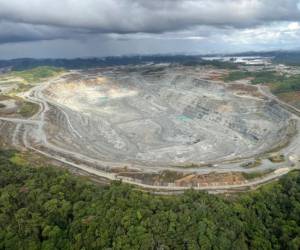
{"points": [[34, 95]]}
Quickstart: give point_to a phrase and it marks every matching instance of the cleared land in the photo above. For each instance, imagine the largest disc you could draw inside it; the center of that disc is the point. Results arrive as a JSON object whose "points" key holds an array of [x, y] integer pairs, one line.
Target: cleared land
{"points": [[162, 116], [139, 123]]}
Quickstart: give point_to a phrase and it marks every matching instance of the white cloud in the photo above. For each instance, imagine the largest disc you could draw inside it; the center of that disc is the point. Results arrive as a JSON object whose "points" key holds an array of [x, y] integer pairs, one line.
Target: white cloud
{"points": [[294, 26], [125, 16]]}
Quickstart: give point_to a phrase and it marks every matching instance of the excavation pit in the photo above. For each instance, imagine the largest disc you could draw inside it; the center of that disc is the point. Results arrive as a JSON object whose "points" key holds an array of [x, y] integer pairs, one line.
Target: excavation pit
{"points": [[160, 116]]}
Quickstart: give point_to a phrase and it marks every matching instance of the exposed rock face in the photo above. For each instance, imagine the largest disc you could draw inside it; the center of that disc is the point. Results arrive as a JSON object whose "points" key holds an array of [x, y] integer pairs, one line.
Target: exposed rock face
{"points": [[161, 115]]}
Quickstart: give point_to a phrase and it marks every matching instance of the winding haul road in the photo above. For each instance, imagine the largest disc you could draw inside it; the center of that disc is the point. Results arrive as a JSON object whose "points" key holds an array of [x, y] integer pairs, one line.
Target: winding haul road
{"points": [[37, 124]]}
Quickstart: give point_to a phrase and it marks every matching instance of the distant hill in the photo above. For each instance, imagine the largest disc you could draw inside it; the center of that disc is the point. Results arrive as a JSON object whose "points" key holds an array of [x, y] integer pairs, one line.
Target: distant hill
{"points": [[285, 57], [83, 63], [78, 63]]}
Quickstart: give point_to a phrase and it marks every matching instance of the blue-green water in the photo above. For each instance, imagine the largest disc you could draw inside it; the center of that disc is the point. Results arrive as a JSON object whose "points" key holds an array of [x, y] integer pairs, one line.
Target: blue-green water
{"points": [[104, 99], [183, 118]]}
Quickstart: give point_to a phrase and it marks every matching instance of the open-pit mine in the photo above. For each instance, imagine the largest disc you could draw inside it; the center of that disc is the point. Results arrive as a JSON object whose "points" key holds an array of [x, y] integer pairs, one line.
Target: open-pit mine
{"points": [[159, 126]]}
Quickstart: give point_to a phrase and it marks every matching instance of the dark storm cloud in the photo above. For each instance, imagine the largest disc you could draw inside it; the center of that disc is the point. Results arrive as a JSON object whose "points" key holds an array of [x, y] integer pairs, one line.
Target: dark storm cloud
{"points": [[15, 32], [132, 16], [69, 28], [18, 32]]}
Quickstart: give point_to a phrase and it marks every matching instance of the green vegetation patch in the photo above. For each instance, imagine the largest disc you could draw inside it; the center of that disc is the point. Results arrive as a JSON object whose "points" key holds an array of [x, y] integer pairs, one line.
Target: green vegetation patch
{"points": [[18, 159], [257, 77], [279, 83], [288, 84], [37, 74], [214, 63], [237, 75], [28, 109], [258, 174], [47, 208]]}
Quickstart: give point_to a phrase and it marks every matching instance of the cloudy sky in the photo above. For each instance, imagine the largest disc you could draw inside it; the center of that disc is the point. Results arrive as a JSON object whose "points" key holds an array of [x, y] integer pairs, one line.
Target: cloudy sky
{"points": [[84, 28]]}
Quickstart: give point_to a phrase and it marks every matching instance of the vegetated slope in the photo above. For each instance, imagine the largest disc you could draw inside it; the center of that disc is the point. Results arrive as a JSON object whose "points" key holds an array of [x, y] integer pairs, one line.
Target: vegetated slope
{"points": [[45, 208], [285, 87], [258, 77], [37, 74], [279, 83]]}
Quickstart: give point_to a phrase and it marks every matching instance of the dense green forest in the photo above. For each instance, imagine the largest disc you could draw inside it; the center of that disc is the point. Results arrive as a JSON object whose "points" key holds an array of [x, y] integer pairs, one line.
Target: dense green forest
{"points": [[49, 208]]}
